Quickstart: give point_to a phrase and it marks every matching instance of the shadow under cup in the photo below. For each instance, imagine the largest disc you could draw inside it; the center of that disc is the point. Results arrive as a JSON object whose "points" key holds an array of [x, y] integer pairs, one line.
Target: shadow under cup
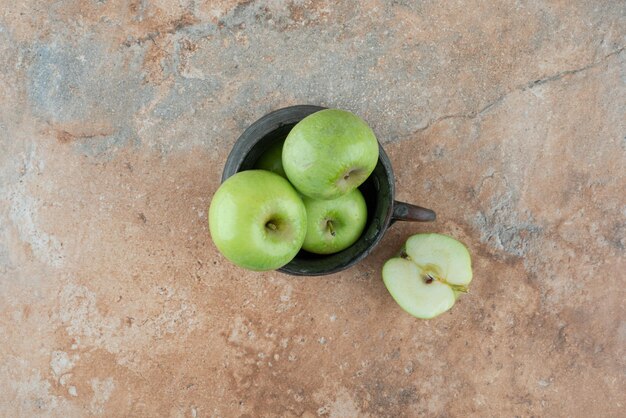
{"points": [[378, 191]]}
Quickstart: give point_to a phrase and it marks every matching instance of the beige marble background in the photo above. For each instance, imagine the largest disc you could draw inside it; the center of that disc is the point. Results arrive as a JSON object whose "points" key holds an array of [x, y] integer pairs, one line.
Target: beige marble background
{"points": [[507, 118]]}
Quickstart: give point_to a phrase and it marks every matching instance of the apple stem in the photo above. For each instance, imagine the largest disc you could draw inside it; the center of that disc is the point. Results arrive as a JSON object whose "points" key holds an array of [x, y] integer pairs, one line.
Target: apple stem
{"points": [[329, 225], [459, 288], [271, 226]]}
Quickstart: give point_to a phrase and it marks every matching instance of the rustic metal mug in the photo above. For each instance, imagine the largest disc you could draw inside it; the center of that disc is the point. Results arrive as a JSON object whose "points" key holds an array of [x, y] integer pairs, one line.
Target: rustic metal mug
{"points": [[378, 191]]}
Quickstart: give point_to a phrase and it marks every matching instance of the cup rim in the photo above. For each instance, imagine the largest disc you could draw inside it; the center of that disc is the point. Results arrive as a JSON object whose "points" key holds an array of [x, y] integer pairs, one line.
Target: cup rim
{"points": [[263, 126]]}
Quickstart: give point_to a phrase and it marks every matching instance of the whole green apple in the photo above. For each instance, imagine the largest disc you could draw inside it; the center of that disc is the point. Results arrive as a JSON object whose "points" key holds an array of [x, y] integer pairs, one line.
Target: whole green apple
{"points": [[334, 225], [429, 275], [272, 160], [257, 220], [329, 153]]}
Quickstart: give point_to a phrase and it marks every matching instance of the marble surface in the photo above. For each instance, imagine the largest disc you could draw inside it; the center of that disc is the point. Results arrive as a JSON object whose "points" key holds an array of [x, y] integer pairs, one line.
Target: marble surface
{"points": [[507, 118]]}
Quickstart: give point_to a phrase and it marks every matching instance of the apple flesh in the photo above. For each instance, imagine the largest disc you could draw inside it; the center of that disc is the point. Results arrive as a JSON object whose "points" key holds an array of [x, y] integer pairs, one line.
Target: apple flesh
{"points": [[257, 220], [271, 160], [329, 153], [334, 225], [428, 276]]}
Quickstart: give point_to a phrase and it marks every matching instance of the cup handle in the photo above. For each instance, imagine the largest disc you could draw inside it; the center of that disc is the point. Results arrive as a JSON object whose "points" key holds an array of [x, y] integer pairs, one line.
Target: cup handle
{"points": [[412, 213]]}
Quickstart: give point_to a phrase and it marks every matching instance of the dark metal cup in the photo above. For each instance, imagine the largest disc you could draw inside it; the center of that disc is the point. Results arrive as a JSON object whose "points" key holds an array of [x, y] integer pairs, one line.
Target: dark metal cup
{"points": [[378, 191]]}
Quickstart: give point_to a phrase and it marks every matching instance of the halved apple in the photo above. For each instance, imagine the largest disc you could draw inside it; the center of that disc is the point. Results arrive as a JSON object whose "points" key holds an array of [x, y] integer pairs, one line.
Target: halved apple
{"points": [[429, 274]]}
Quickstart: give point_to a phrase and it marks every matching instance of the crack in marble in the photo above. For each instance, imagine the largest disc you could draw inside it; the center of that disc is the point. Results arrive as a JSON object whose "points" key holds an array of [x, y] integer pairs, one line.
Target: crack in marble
{"points": [[521, 87], [562, 74]]}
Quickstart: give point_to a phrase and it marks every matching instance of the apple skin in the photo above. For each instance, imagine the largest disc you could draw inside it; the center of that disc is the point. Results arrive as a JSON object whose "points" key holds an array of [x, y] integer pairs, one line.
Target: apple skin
{"points": [[347, 216], [429, 275], [329, 153], [257, 220], [272, 160]]}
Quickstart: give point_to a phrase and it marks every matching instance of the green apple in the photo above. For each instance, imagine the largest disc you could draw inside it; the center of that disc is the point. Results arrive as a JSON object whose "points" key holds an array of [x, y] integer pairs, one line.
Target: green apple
{"points": [[430, 273], [329, 153], [334, 225], [257, 220], [272, 160]]}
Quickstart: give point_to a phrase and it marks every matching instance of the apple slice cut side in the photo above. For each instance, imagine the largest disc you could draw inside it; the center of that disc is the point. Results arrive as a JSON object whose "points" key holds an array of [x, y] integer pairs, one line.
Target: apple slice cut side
{"points": [[428, 276], [414, 292], [448, 258]]}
